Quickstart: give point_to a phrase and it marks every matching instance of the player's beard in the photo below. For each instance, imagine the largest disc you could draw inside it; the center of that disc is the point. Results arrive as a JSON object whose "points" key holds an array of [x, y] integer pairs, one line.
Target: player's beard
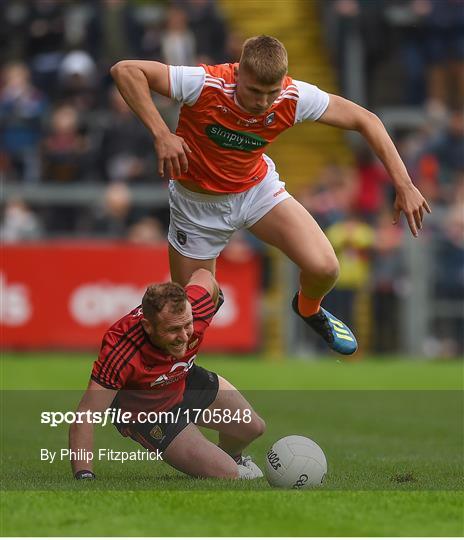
{"points": [[178, 352]]}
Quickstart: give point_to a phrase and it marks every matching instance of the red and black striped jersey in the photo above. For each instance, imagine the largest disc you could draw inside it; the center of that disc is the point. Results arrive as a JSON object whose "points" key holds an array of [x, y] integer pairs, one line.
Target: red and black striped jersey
{"points": [[129, 361]]}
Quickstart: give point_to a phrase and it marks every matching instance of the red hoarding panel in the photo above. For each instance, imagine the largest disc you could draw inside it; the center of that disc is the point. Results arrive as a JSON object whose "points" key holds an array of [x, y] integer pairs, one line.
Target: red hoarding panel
{"points": [[67, 295]]}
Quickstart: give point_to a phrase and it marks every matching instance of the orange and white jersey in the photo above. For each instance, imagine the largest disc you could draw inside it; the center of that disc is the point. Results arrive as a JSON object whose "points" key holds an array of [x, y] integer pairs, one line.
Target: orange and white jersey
{"points": [[227, 142]]}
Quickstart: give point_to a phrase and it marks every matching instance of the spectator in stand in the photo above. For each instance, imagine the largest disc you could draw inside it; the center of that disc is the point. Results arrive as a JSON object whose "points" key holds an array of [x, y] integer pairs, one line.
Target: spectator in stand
{"points": [[115, 19], [330, 197], [19, 223], [45, 41], [148, 230], [331, 205], [126, 152], [116, 215], [372, 185], [13, 27], [209, 29], [178, 46], [82, 26], [107, 30], [66, 152], [21, 109], [387, 273], [352, 240], [426, 178], [67, 157], [349, 24], [434, 53], [448, 147], [446, 74], [145, 28], [424, 169], [78, 82]]}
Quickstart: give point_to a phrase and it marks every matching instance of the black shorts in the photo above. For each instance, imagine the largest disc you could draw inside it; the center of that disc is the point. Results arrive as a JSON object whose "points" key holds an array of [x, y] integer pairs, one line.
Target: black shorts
{"points": [[201, 388]]}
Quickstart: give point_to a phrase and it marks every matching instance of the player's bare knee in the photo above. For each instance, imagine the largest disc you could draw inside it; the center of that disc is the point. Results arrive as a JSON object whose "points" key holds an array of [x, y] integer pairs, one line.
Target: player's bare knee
{"points": [[325, 270], [332, 268]]}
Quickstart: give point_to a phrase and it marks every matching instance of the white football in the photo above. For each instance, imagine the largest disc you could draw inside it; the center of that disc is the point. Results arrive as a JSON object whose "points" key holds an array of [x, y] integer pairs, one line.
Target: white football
{"points": [[295, 462]]}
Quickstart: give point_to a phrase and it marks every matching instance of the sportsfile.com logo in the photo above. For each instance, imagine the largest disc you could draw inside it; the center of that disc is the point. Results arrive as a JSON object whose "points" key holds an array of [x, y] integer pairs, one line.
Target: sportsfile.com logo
{"points": [[111, 415]]}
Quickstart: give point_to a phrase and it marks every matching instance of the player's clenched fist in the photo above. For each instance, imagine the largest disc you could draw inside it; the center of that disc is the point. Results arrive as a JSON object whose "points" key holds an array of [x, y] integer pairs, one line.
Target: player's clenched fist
{"points": [[172, 155]]}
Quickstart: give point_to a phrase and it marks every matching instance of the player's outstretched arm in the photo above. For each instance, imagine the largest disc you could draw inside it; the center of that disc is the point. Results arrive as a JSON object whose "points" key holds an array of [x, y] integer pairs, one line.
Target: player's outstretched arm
{"points": [[135, 80], [96, 399], [347, 115], [204, 278]]}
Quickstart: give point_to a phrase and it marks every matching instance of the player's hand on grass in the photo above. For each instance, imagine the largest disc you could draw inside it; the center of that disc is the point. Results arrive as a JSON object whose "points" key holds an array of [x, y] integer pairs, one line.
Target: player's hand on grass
{"points": [[172, 154], [410, 201], [84, 475]]}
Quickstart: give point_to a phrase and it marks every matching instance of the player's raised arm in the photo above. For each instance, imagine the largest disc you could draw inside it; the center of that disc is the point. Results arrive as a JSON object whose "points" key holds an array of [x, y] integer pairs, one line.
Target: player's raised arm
{"points": [[96, 399], [135, 80], [347, 115]]}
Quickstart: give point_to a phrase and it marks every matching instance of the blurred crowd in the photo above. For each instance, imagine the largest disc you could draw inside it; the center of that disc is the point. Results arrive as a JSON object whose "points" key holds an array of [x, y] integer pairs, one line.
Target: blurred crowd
{"points": [[412, 54], [63, 122], [354, 206], [417, 43]]}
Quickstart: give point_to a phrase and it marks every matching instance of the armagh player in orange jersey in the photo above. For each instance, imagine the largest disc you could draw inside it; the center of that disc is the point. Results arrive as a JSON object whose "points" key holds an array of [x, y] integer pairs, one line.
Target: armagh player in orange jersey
{"points": [[222, 181]]}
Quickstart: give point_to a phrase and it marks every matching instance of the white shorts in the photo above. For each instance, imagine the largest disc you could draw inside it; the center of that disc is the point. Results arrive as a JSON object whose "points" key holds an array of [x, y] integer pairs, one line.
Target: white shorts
{"points": [[201, 225]]}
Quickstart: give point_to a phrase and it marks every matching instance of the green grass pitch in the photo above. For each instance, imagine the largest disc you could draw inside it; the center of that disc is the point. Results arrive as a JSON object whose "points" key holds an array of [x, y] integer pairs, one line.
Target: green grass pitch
{"points": [[392, 432]]}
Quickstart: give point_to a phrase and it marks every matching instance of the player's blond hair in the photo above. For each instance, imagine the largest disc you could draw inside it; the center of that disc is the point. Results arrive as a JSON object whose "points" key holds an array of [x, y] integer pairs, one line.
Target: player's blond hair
{"points": [[265, 57], [158, 295]]}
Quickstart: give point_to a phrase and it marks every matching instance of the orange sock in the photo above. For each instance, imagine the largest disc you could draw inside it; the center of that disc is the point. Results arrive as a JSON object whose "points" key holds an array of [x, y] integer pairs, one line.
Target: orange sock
{"points": [[308, 306]]}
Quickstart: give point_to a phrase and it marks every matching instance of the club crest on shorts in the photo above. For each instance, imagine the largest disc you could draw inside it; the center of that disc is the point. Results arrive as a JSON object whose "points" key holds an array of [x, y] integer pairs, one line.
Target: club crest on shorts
{"points": [[156, 432], [181, 237]]}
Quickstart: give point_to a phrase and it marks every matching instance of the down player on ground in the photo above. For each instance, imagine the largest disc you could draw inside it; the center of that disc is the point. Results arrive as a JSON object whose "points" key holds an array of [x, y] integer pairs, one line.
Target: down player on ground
{"points": [[146, 363], [223, 181]]}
